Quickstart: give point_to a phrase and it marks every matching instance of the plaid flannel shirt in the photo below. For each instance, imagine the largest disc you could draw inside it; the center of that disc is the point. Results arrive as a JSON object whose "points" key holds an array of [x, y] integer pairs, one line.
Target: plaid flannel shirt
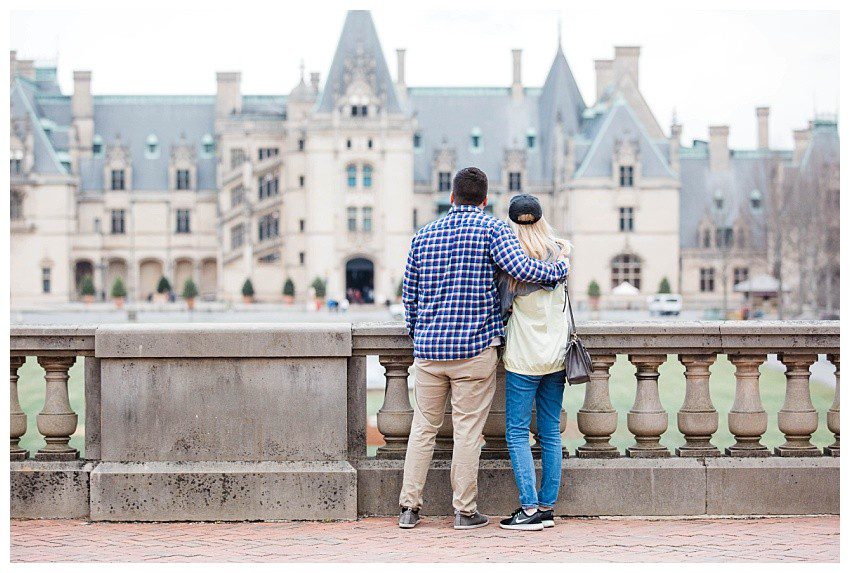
{"points": [[451, 303]]}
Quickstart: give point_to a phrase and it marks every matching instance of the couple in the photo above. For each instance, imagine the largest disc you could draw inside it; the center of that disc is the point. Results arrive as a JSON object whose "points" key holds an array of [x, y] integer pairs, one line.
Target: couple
{"points": [[465, 272]]}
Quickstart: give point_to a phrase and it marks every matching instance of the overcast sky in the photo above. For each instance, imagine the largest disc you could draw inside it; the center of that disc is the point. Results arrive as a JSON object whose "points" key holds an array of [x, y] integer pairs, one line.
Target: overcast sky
{"points": [[711, 67]]}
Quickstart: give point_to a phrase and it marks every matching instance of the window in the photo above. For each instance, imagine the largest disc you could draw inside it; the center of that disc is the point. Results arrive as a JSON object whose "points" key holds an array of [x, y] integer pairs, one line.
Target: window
{"points": [[367, 176], [301, 225], [266, 152], [118, 221], [45, 280], [237, 236], [369, 143], [97, 146], [16, 162], [301, 258], [627, 219], [723, 237], [417, 140], [367, 219], [445, 181], [706, 280], [352, 219], [348, 144], [475, 138], [515, 181], [270, 258], [237, 196], [740, 274], [301, 144], [237, 157], [183, 180], [755, 200], [269, 226], [208, 145], [152, 147], [183, 221], [351, 174], [625, 268], [16, 208], [627, 176], [359, 111], [706, 239], [117, 180], [301, 181], [530, 138], [718, 200], [269, 186]]}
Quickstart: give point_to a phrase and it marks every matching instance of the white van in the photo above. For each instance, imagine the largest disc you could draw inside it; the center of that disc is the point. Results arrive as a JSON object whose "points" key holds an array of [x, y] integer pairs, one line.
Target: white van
{"points": [[664, 305]]}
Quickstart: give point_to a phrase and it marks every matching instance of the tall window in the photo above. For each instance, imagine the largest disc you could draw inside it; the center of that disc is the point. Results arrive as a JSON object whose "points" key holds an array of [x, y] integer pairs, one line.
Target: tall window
{"points": [[417, 140], [723, 237], [531, 138], [706, 280], [627, 176], [444, 181], [351, 174], [183, 221], [352, 218], [16, 207], [118, 221], [183, 180], [269, 226], [266, 152], [301, 181], [301, 144], [367, 176], [117, 180], [301, 224], [625, 268], [45, 280], [515, 181], [237, 196], [237, 157], [627, 219], [97, 146], [475, 138], [367, 219], [369, 143], [237, 236], [301, 258], [740, 274], [16, 162], [269, 186]]}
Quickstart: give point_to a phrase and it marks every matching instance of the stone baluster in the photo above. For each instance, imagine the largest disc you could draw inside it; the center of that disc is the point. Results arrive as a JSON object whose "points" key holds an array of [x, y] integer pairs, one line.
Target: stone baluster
{"points": [[57, 421], [697, 419], [798, 418], [445, 435], [597, 418], [747, 418], [647, 419], [396, 415], [17, 417], [833, 416], [495, 446]]}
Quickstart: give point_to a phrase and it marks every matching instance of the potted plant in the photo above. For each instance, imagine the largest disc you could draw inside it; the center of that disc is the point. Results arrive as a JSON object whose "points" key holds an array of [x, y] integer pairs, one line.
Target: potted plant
{"points": [[320, 288], [163, 287], [664, 286], [593, 293], [87, 289], [288, 291], [190, 293], [118, 293], [248, 291]]}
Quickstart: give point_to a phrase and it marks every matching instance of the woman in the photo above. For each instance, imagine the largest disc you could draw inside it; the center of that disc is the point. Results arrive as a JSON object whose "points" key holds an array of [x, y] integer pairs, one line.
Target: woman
{"points": [[536, 338]]}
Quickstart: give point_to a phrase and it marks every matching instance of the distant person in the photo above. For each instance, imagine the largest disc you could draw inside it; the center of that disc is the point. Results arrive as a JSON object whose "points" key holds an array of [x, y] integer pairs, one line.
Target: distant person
{"points": [[536, 339], [454, 317]]}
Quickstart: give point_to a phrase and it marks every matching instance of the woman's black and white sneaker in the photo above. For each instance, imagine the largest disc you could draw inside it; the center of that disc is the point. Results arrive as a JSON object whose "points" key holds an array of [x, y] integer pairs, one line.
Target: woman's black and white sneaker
{"points": [[547, 516], [522, 521]]}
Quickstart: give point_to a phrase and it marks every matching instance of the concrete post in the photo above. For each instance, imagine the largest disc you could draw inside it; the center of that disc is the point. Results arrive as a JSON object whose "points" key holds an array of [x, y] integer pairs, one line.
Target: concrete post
{"points": [[647, 419], [833, 416], [57, 421], [396, 415], [747, 418], [597, 418], [697, 419], [496, 447], [17, 417], [798, 418]]}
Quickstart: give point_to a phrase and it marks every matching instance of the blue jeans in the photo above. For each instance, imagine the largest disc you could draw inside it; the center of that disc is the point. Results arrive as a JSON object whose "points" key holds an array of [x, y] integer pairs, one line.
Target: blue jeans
{"points": [[521, 392]]}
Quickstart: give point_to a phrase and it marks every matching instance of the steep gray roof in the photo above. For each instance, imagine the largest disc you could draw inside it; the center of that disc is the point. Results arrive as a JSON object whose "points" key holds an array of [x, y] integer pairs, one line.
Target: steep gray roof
{"points": [[358, 37], [824, 145], [560, 97], [23, 107]]}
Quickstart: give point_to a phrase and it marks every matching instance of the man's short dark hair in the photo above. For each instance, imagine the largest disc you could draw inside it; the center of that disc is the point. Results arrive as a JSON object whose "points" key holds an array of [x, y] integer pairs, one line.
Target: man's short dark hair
{"points": [[470, 186]]}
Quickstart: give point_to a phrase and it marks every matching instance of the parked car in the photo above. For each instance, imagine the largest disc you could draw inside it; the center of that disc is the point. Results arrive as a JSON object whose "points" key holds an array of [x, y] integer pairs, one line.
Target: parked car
{"points": [[665, 305]]}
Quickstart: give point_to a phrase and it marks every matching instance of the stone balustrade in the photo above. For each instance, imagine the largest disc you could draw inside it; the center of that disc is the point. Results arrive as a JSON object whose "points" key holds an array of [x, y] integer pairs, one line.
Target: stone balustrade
{"points": [[269, 422]]}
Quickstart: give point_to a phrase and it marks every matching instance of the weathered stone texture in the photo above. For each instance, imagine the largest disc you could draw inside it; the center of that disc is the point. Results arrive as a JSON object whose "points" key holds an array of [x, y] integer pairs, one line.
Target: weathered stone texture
{"points": [[49, 490]]}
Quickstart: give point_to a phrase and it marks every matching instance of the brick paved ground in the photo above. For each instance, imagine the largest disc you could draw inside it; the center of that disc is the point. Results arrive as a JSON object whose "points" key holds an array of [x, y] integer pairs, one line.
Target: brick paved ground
{"points": [[813, 539]]}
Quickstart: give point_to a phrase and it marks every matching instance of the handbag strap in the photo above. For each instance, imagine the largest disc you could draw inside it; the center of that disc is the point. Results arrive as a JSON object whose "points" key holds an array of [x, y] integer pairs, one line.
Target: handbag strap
{"points": [[568, 305]]}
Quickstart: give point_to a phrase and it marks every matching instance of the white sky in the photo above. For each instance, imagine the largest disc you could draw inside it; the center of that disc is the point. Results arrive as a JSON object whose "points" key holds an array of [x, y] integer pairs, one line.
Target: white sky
{"points": [[713, 67]]}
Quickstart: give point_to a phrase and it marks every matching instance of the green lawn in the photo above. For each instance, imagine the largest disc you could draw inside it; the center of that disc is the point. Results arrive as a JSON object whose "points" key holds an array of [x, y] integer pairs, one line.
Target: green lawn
{"points": [[671, 384]]}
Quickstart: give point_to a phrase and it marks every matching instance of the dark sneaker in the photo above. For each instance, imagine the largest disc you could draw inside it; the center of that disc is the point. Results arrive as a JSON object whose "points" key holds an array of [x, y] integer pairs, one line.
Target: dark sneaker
{"points": [[473, 521], [408, 518], [522, 521], [548, 518]]}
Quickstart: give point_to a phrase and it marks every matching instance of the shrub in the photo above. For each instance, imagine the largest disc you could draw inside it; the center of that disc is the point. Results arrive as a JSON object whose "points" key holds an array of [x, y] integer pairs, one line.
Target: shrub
{"points": [[664, 287], [87, 286], [593, 289], [289, 288], [247, 288], [320, 287], [190, 290], [163, 286], [118, 290]]}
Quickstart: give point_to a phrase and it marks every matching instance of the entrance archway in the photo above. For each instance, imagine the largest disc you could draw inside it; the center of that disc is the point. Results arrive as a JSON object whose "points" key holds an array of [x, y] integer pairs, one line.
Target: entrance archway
{"points": [[82, 269], [360, 281]]}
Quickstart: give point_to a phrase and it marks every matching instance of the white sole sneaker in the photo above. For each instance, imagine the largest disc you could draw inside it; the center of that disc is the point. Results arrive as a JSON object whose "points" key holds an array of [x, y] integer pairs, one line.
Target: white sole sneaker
{"points": [[485, 524], [548, 523], [524, 526]]}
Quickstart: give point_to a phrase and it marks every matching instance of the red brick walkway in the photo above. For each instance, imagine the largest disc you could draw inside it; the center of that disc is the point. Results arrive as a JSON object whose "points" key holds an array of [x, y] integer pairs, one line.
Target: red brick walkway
{"points": [[813, 539]]}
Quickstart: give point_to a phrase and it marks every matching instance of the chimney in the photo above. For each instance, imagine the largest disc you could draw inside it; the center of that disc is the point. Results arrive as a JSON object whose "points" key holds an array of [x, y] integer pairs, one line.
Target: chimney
{"points": [[82, 112], [23, 68], [400, 69], [228, 97], [718, 147], [516, 85], [604, 76], [675, 144], [801, 143], [626, 61], [314, 81], [763, 115]]}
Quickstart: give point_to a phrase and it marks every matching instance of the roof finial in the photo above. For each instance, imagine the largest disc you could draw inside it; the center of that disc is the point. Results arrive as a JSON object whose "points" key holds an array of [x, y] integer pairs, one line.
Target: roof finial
{"points": [[559, 30], [302, 70], [675, 119]]}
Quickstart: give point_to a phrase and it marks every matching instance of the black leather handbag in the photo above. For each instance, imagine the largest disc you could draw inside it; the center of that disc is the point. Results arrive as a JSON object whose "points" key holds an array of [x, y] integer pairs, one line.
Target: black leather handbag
{"points": [[577, 360]]}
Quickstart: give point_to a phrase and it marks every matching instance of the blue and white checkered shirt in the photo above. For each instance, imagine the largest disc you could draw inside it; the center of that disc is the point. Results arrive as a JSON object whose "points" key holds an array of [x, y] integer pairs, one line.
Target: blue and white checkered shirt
{"points": [[449, 292]]}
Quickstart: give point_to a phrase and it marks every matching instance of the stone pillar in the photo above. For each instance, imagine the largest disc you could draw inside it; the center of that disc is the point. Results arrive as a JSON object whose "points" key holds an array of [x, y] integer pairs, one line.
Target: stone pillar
{"points": [[747, 418], [396, 415], [697, 418], [597, 418], [833, 416], [17, 417], [57, 421], [496, 447], [647, 419], [798, 418]]}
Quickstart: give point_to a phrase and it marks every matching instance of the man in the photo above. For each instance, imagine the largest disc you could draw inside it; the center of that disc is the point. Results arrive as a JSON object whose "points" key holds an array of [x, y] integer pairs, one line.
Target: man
{"points": [[454, 317]]}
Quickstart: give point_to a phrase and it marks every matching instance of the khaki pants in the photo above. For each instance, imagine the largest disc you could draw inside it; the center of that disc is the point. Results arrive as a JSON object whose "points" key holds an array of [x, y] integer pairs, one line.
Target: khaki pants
{"points": [[472, 382]]}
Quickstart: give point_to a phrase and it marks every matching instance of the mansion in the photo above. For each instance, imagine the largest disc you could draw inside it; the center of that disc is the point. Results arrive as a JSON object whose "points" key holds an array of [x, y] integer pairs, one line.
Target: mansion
{"points": [[332, 180]]}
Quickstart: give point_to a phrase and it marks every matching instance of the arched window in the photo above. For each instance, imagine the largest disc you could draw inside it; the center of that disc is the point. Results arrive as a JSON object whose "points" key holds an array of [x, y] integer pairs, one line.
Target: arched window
{"points": [[367, 176], [152, 147], [351, 173], [16, 209], [625, 268]]}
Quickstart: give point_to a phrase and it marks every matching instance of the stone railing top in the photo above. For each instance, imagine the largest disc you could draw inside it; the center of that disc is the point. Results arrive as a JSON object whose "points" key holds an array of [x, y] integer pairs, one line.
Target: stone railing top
{"points": [[52, 340]]}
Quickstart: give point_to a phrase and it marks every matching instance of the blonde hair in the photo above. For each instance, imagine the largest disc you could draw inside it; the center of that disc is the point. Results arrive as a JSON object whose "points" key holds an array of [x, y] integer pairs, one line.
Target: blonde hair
{"points": [[539, 241]]}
